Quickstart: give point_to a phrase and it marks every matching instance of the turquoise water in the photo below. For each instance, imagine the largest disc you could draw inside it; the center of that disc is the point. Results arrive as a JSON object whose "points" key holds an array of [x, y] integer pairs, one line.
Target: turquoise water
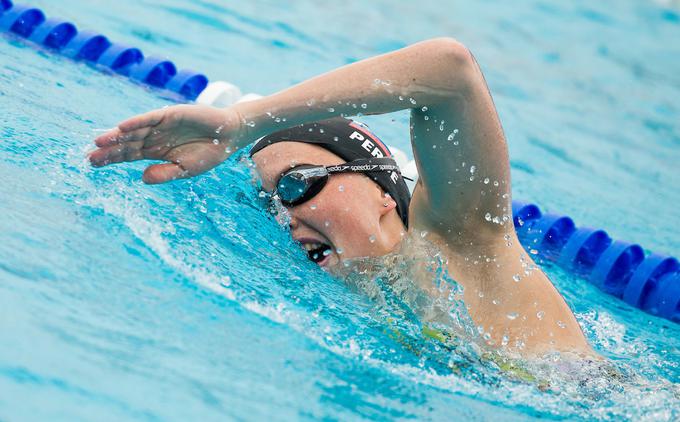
{"points": [[186, 301]]}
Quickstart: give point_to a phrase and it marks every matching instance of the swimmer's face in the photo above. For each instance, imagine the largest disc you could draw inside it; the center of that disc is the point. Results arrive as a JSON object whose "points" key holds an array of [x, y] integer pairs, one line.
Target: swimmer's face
{"points": [[348, 217]]}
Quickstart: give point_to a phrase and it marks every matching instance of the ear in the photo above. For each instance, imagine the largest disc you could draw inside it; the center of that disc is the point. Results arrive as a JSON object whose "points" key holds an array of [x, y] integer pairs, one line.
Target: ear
{"points": [[387, 204]]}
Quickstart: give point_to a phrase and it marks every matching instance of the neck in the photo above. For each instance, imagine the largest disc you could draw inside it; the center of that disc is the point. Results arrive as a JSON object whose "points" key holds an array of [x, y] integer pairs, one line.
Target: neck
{"points": [[392, 231]]}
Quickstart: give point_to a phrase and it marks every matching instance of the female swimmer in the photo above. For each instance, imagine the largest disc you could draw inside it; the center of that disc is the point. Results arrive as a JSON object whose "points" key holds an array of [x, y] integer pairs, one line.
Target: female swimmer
{"points": [[461, 199]]}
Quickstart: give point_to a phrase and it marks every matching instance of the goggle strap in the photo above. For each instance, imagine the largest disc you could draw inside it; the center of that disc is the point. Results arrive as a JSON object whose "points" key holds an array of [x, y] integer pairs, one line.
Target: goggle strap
{"points": [[365, 166]]}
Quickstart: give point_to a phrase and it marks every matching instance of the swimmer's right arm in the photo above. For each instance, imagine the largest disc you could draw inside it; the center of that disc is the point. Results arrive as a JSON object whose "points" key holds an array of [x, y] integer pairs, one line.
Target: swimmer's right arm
{"points": [[425, 74]]}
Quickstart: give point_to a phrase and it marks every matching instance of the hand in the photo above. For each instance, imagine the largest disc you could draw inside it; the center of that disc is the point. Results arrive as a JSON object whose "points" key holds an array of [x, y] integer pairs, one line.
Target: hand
{"points": [[193, 139]]}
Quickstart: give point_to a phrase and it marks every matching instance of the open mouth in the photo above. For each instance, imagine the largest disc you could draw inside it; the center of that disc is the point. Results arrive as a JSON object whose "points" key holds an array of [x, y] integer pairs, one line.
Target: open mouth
{"points": [[317, 252]]}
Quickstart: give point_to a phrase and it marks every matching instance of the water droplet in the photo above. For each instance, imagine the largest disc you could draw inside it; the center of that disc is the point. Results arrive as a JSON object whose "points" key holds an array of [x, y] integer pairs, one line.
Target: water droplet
{"points": [[540, 314], [331, 109], [533, 252], [512, 315], [486, 336], [424, 108], [219, 129], [434, 146], [312, 207], [401, 98], [423, 233], [326, 252], [336, 139], [412, 101], [341, 188], [495, 302], [516, 278], [486, 180], [371, 238], [364, 105], [495, 183], [561, 324], [487, 216], [427, 117], [472, 169], [216, 141], [505, 340], [321, 130], [326, 223], [339, 251]]}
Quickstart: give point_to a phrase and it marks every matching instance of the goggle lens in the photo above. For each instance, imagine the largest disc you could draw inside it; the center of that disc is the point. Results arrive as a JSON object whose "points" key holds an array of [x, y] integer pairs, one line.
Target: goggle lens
{"points": [[292, 187], [301, 184]]}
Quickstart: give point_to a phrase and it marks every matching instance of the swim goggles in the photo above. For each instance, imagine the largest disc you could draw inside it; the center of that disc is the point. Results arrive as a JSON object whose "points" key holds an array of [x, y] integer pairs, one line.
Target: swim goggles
{"points": [[300, 184]]}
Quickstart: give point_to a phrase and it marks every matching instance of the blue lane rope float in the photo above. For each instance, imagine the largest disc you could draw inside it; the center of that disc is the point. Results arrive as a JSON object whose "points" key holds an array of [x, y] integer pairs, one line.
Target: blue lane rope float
{"points": [[54, 33], [621, 269], [64, 37]]}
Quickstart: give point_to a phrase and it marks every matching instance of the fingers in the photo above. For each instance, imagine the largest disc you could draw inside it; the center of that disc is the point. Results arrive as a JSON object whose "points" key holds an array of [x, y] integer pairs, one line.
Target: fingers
{"points": [[145, 120], [117, 136], [134, 129], [116, 153], [108, 138], [161, 173]]}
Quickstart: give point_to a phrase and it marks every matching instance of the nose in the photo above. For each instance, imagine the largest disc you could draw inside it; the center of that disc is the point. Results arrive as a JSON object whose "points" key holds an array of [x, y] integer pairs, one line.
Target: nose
{"points": [[294, 223]]}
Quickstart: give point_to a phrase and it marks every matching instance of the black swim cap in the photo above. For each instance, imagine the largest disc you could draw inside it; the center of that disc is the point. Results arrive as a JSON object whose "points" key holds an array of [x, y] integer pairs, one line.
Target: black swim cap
{"points": [[349, 140]]}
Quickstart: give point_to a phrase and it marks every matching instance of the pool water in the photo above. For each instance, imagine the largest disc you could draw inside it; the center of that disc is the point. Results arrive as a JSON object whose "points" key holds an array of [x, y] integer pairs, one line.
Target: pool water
{"points": [[188, 301]]}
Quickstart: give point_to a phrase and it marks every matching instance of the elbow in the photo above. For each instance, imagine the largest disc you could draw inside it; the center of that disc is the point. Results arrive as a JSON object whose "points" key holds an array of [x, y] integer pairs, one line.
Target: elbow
{"points": [[452, 60], [451, 51]]}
